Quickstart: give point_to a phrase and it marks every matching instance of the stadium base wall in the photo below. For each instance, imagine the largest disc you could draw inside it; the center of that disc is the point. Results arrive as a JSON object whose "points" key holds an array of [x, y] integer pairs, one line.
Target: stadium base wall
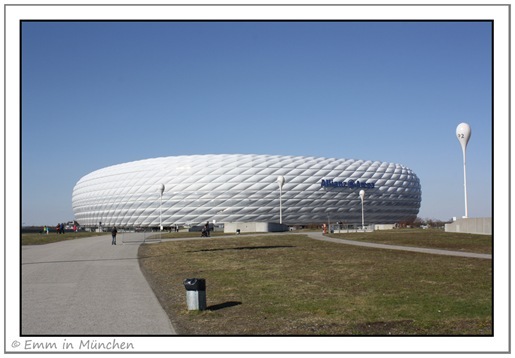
{"points": [[481, 226], [254, 227]]}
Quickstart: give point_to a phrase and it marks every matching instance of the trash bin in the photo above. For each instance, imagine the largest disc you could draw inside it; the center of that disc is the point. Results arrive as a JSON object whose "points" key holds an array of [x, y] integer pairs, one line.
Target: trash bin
{"points": [[195, 293]]}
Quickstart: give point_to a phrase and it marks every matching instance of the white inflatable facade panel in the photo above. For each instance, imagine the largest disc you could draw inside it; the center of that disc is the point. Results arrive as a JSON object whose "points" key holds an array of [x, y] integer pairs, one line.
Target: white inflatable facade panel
{"points": [[244, 188]]}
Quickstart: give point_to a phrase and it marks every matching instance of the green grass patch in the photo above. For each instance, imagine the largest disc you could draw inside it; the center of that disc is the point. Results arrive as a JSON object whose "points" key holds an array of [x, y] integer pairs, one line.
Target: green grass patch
{"points": [[434, 239], [293, 285], [41, 239]]}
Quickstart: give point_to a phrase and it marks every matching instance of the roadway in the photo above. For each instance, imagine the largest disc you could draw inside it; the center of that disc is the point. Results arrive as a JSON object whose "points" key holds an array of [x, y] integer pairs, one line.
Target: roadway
{"points": [[88, 287]]}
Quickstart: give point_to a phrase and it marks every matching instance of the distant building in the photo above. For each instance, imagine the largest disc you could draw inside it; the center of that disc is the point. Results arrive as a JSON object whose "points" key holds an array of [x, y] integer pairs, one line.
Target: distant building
{"points": [[243, 188], [481, 226]]}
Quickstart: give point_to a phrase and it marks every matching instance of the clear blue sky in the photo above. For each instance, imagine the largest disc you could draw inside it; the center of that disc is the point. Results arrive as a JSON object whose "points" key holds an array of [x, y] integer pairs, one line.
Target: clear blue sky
{"points": [[95, 94]]}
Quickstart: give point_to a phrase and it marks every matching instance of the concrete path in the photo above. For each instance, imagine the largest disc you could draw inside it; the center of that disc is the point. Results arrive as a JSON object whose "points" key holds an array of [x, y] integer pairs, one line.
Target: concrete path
{"points": [[89, 287], [320, 236]]}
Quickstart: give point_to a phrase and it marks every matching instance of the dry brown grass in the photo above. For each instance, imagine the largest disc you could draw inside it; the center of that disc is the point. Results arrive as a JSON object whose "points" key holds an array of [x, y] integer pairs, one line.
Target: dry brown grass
{"points": [[436, 239], [293, 285]]}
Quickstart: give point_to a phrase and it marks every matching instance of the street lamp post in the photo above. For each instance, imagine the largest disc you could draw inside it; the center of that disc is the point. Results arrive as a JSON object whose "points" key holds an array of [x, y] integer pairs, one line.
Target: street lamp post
{"points": [[280, 182], [463, 133], [161, 191], [362, 196]]}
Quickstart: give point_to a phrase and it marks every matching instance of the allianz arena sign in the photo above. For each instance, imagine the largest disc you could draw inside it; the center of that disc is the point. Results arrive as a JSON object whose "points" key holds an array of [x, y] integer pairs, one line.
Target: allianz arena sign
{"points": [[193, 189], [346, 184]]}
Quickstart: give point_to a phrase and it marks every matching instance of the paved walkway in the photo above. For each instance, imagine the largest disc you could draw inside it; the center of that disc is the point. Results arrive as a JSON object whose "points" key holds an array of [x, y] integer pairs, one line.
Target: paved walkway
{"points": [[89, 287], [320, 236]]}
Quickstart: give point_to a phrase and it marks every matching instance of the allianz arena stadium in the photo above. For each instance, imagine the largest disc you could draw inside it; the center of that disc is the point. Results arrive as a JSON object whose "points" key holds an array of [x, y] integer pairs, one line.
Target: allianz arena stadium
{"points": [[193, 189]]}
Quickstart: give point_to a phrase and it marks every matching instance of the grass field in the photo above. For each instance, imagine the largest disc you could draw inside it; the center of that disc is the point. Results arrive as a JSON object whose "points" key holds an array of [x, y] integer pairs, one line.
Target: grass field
{"points": [[41, 239], [434, 239], [293, 285]]}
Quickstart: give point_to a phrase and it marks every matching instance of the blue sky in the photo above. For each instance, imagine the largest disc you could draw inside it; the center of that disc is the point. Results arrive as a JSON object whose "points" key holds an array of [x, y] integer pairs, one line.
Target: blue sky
{"points": [[96, 94]]}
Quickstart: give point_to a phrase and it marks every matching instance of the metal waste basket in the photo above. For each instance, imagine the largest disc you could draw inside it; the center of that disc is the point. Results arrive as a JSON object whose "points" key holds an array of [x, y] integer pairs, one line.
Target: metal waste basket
{"points": [[195, 293]]}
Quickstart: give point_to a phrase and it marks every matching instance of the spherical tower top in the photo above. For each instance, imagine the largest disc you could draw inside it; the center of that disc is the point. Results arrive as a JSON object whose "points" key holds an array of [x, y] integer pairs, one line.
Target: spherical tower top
{"points": [[463, 133]]}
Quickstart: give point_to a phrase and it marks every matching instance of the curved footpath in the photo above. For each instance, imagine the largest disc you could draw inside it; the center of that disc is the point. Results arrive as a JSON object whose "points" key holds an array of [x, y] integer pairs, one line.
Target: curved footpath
{"points": [[322, 237], [88, 287]]}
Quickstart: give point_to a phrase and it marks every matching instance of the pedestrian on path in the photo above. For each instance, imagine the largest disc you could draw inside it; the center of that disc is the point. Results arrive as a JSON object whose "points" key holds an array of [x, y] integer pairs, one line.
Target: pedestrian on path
{"points": [[113, 234], [206, 227]]}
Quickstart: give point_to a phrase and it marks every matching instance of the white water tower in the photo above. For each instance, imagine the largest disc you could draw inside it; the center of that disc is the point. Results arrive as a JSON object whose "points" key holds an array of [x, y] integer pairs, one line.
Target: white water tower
{"points": [[463, 133]]}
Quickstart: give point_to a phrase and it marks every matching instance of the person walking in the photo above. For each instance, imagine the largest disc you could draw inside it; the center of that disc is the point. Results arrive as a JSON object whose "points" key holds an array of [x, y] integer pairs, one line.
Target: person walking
{"points": [[113, 234], [207, 228]]}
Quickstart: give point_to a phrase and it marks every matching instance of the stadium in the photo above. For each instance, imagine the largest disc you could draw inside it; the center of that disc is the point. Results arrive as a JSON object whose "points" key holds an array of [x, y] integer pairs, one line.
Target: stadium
{"points": [[193, 189]]}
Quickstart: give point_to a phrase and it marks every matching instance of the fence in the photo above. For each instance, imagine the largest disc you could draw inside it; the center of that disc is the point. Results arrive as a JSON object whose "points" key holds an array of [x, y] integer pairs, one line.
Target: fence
{"points": [[347, 228]]}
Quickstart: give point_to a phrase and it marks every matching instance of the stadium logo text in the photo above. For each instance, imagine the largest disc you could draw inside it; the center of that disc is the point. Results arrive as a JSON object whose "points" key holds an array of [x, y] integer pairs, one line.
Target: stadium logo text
{"points": [[329, 183]]}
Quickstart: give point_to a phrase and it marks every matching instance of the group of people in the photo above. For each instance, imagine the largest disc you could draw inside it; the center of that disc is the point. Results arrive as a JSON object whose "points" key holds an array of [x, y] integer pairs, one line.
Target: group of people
{"points": [[60, 228]]}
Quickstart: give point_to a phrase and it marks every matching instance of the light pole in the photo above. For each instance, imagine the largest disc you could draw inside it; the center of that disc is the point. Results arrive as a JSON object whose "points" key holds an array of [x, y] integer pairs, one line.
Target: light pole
{"points": [[280, 182], [463, 133], [362, 196], [161, 190]]}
